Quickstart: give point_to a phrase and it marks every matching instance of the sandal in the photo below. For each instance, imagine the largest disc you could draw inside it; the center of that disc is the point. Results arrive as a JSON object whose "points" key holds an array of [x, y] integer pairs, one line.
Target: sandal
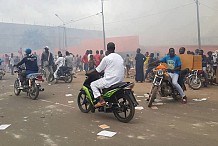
{"points": [[184, 100], [99, 104]]}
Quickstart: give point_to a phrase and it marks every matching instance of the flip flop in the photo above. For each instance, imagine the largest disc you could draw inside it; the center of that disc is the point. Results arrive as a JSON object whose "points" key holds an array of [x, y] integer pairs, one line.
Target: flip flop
{"points": [[99, 104]]}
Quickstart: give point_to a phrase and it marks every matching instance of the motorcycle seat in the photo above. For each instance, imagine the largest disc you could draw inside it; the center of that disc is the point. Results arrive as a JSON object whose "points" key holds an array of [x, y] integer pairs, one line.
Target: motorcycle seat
{"points": [[118, 85], [33, 75]]}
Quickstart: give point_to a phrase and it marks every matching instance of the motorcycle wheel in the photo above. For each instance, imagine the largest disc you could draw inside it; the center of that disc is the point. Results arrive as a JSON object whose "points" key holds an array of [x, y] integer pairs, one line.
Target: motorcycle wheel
{"points": [[83, 102], [16, 86], [0, 77], [125, 105], [68, 78], [50, 78], [34, 91], [152, 96], [194, 83]]}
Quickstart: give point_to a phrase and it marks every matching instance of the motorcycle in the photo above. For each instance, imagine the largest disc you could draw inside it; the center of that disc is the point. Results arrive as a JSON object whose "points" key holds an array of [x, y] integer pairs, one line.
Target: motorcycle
{"points": [[2, 73], [66, 75], [162, 84], [119, 99], [31, 84]]}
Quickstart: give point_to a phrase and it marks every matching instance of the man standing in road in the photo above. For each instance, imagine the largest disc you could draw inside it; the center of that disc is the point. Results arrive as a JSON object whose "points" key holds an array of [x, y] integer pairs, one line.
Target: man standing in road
{"points": [[47, 62], [11, 63]]}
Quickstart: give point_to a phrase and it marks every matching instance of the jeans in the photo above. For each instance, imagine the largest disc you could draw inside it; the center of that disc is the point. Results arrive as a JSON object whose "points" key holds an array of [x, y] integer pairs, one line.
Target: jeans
{"points": [[148, 71], [175, 77], [86, 66]]}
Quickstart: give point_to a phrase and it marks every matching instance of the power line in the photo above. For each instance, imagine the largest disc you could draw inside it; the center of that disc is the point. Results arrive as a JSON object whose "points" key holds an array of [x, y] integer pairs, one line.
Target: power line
{"points": [[140, 17], [209, 7]]}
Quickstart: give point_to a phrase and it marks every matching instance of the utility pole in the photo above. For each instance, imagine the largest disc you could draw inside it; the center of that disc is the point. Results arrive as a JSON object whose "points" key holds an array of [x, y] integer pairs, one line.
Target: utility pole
{"points": [[102, 11], [198, 23], [64, 33]]}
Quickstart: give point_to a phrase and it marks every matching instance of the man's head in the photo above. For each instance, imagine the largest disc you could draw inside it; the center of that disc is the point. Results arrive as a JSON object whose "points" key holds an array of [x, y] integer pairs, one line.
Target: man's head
{"points": [[152, 55], [171, 52], [90, 51], [127, 55], [97, 52], [28, 51], [87, 52], [101, 52], [46, 49], [12, 54], [67, 53], [138, 50], [210, 53], [197, 51], [60, 54], [201, 52], [182, 50], [110, 47]]}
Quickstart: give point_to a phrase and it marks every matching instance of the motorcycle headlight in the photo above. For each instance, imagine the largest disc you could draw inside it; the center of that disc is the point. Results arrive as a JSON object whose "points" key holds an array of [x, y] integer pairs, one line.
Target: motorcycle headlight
{"points": [[160, 72]]}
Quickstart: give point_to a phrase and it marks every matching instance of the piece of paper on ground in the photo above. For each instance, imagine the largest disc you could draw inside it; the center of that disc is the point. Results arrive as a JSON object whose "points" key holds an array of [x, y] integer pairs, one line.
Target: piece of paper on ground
{"points": [[159, 103], [139, 108], [154, 107], [4, 126], [70, 101], [68, 95], [106, 133], [104, 126], [202, 99], [140, 96], [146, 95]]}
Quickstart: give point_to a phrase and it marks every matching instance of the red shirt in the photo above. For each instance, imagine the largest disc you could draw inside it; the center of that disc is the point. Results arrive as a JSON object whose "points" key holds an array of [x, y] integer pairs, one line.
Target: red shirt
{"points": [[85, 58], [97, 59]]}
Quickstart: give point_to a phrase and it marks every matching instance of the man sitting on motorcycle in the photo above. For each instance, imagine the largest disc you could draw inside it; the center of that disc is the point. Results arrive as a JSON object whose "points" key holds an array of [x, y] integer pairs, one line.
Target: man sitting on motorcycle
{"points": [[31, 65], [113, 67], [59, 62], [174, 66]]}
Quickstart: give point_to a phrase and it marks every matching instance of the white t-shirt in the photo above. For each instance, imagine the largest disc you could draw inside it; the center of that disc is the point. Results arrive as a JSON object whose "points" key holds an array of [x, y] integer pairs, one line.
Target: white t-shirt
{"points": [[113, 67], [60, 62], [11, 61]]}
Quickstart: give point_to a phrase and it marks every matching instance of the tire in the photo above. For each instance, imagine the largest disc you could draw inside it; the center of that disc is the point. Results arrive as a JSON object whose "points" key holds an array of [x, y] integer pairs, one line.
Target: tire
{"points": [[16, 86], [0, 77], [123, 109], [68, 78], [85, 101], [34, 91], [50, 78], [152, 96], [194, 83]]}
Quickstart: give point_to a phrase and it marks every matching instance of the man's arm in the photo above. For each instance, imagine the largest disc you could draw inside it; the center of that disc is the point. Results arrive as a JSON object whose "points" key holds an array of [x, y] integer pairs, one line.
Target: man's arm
{"points": [[21, 62]]}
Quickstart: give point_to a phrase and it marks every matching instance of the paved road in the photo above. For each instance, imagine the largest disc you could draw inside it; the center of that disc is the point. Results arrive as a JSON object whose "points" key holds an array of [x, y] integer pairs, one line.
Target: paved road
{"points": [[52, 121]]}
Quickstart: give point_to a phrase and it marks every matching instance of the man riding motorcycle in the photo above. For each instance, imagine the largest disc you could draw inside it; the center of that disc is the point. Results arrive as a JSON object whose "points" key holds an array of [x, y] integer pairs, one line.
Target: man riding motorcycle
{"points": [[174, 66], [60, 62], [30, 62], [113, 67]]}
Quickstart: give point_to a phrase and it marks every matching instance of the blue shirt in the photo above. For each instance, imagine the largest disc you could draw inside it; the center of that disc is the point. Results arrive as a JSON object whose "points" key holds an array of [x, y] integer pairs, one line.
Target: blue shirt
{"points": [[172, 63]]}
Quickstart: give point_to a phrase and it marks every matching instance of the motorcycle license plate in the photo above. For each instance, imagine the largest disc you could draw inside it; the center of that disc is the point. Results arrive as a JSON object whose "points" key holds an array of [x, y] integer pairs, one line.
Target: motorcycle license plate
{"points": [[38, 82]]}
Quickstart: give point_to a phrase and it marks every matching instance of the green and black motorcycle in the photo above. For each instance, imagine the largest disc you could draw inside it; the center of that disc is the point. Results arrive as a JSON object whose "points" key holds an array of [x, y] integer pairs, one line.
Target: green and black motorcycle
{"points": [[119, 99]]}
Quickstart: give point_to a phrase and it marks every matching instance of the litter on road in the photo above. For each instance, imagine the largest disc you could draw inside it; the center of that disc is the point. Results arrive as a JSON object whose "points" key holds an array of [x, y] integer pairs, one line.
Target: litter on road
{"points": [[104, 126], [202, 99], [68, 95], [4, 126], [139, 108], [159, 103], [70, 101], [154, 107], [140, 96], [107, 133]]}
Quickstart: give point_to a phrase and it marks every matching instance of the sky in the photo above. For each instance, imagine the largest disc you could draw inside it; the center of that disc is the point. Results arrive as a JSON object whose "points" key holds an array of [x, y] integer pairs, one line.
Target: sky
{"points": [[156, 22]]}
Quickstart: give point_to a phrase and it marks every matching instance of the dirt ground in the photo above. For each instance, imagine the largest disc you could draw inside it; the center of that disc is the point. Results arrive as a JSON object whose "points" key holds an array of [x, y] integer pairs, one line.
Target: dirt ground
{"points": [[55, 120]]}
